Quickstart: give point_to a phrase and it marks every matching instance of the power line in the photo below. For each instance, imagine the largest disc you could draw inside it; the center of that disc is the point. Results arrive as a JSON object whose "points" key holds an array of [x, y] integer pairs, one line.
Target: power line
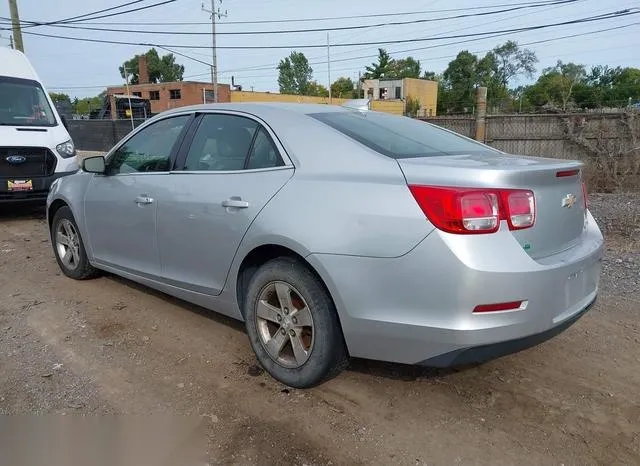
{"points": [[29, 24], [337, 28], [612, 15], [271, 67], [330, 18], [272, 75], [485, 24], [117, 7], [183, 55]]}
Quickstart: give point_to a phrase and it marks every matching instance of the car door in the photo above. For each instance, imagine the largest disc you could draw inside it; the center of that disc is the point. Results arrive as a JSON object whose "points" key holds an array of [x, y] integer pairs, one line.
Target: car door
{"points": [[231, 167], [120, 207]]}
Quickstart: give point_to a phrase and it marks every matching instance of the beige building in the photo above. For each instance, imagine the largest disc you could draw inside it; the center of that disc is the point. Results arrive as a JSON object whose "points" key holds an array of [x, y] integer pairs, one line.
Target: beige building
{"points": [[390, 89]]}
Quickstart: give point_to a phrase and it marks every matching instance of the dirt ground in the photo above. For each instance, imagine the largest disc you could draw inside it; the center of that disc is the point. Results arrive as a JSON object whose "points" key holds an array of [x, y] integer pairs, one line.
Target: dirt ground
{"points": [[108, 346]]}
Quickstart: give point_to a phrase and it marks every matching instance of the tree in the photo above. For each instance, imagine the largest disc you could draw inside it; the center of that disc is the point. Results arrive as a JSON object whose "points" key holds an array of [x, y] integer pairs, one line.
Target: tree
{"points": [[58, 97], [294, 74], [460, 80], [607, 87], [412, 106], [169, 70], [512, 61], [565, 77], [404, 68], [597, 87], [556, 84], [317, 90], [626, 85], [430, 75], [342, 88], [488, 75], [381, 68], [160, 69], [85, 106]]}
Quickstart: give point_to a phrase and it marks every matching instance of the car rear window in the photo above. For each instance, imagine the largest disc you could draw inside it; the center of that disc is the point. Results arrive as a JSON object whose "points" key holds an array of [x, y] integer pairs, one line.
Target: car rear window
{"points": [[400, 137]]}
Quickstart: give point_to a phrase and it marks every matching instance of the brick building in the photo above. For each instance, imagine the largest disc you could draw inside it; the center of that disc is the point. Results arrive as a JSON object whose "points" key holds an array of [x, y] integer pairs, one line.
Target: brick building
{"points": [[164, 96]]}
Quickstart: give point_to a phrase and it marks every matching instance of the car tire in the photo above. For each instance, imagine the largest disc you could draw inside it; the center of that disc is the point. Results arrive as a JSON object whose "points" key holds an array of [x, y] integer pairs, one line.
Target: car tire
{"points": [[322, 342], [66, 239]]}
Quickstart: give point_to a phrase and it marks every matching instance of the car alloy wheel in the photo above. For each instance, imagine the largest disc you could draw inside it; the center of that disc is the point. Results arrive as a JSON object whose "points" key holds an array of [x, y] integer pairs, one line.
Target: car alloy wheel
{"points": [[68, 244], [285, 324]]}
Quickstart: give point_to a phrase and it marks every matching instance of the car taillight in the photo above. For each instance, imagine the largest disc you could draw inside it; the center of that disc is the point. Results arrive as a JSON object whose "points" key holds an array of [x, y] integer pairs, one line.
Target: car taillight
{"points": [[479, 211], [585, 203], [473, 210], [521, 208]]}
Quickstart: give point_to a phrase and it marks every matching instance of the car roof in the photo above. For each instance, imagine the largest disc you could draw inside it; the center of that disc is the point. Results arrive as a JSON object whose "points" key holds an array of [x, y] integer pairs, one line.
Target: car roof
{"points": [[262, 109], [16, 65]]}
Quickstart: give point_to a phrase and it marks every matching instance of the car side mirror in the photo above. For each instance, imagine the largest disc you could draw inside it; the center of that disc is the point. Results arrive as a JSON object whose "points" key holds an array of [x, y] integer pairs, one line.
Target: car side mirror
{"points": [[94, 164], [64, 121]]}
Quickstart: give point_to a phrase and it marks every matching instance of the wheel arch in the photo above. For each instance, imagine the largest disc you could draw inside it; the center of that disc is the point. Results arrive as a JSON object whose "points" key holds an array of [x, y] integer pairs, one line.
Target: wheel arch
{"points": [[262, 254], [55, 206]]}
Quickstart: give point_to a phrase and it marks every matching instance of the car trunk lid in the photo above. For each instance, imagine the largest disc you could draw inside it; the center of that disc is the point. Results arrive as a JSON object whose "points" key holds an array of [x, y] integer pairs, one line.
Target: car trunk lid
{"points": [[556, 184]]}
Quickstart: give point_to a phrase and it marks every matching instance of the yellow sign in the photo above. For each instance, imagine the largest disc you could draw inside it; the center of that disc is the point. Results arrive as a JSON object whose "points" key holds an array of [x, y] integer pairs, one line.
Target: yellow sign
{"points": [[127, 112]]}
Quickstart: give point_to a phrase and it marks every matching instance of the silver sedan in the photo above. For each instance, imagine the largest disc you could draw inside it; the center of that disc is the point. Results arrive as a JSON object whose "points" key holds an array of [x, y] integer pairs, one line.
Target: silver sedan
{"points": [[337, 232]]}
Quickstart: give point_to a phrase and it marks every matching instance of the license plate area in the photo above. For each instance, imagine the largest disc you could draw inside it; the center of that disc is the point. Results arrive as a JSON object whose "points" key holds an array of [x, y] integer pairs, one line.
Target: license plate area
{"points": [[575, 287], [579, 285], [14, 186]]}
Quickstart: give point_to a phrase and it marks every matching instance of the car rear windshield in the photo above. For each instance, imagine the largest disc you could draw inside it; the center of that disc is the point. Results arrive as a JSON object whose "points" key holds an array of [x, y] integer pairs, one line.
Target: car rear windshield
{"points": [[24, 103], [400, 137]]}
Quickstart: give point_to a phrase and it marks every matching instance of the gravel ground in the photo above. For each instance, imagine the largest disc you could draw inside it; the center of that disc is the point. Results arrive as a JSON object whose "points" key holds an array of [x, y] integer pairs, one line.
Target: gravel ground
{"points": [[108, 346], [619, 217]]}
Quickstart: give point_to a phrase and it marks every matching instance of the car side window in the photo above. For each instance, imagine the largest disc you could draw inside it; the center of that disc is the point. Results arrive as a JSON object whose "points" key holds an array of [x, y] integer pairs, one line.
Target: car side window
{"points": [[264, 153], [150, 149], [221, 143]]}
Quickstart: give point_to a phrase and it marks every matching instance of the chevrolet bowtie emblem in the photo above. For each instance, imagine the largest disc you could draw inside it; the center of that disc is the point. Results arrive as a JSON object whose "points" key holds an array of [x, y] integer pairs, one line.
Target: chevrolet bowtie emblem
{"points": [[569, 200]]}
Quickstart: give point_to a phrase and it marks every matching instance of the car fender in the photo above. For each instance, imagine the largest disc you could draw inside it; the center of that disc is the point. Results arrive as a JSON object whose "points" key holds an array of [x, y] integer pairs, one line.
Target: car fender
{"points": [[71, 190]]}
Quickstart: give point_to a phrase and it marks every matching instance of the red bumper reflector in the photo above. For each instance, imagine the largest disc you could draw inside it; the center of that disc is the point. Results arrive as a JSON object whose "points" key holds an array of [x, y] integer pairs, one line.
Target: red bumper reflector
{"points": [[567, 173], [510, 306]]}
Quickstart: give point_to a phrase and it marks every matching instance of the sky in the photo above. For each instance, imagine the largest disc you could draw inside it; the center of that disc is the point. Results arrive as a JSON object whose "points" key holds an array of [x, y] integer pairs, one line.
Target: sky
{"points": [[84, 69]]}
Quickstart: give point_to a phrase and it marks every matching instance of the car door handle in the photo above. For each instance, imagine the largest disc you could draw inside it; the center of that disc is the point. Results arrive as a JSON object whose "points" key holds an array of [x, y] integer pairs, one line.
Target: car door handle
{"points": [[144, 199], [236, 202]]}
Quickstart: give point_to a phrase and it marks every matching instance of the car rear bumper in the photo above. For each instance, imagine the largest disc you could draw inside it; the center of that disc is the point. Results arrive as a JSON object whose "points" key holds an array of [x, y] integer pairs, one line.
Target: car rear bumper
{"points": [[39, 193], [418, 308], [483, 353]]}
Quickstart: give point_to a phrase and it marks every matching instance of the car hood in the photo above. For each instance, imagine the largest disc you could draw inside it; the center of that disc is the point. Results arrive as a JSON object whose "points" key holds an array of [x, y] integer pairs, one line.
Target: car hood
{"points": [[38, 136]]}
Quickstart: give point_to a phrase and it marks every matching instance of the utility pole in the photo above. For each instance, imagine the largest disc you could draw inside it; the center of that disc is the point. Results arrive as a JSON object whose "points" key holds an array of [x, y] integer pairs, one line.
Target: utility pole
{"points": [[15, 21], [126, 83], [11, 40], [215, 14], [329, 67], [481, 114]]}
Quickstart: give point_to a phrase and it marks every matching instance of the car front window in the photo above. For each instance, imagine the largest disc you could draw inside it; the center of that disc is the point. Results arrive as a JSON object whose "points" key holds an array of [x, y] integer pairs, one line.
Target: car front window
{"points": [[150, 149], [23, 102]]}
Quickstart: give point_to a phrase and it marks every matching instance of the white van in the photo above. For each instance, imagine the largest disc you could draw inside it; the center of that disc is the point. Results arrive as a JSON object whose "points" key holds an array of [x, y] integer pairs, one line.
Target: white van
{"points": [[35, 147]]}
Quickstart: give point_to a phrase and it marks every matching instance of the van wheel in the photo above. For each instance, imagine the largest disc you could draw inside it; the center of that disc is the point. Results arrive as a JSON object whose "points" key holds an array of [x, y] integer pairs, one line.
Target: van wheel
{"points": [[68, 247], [293, 325]]}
